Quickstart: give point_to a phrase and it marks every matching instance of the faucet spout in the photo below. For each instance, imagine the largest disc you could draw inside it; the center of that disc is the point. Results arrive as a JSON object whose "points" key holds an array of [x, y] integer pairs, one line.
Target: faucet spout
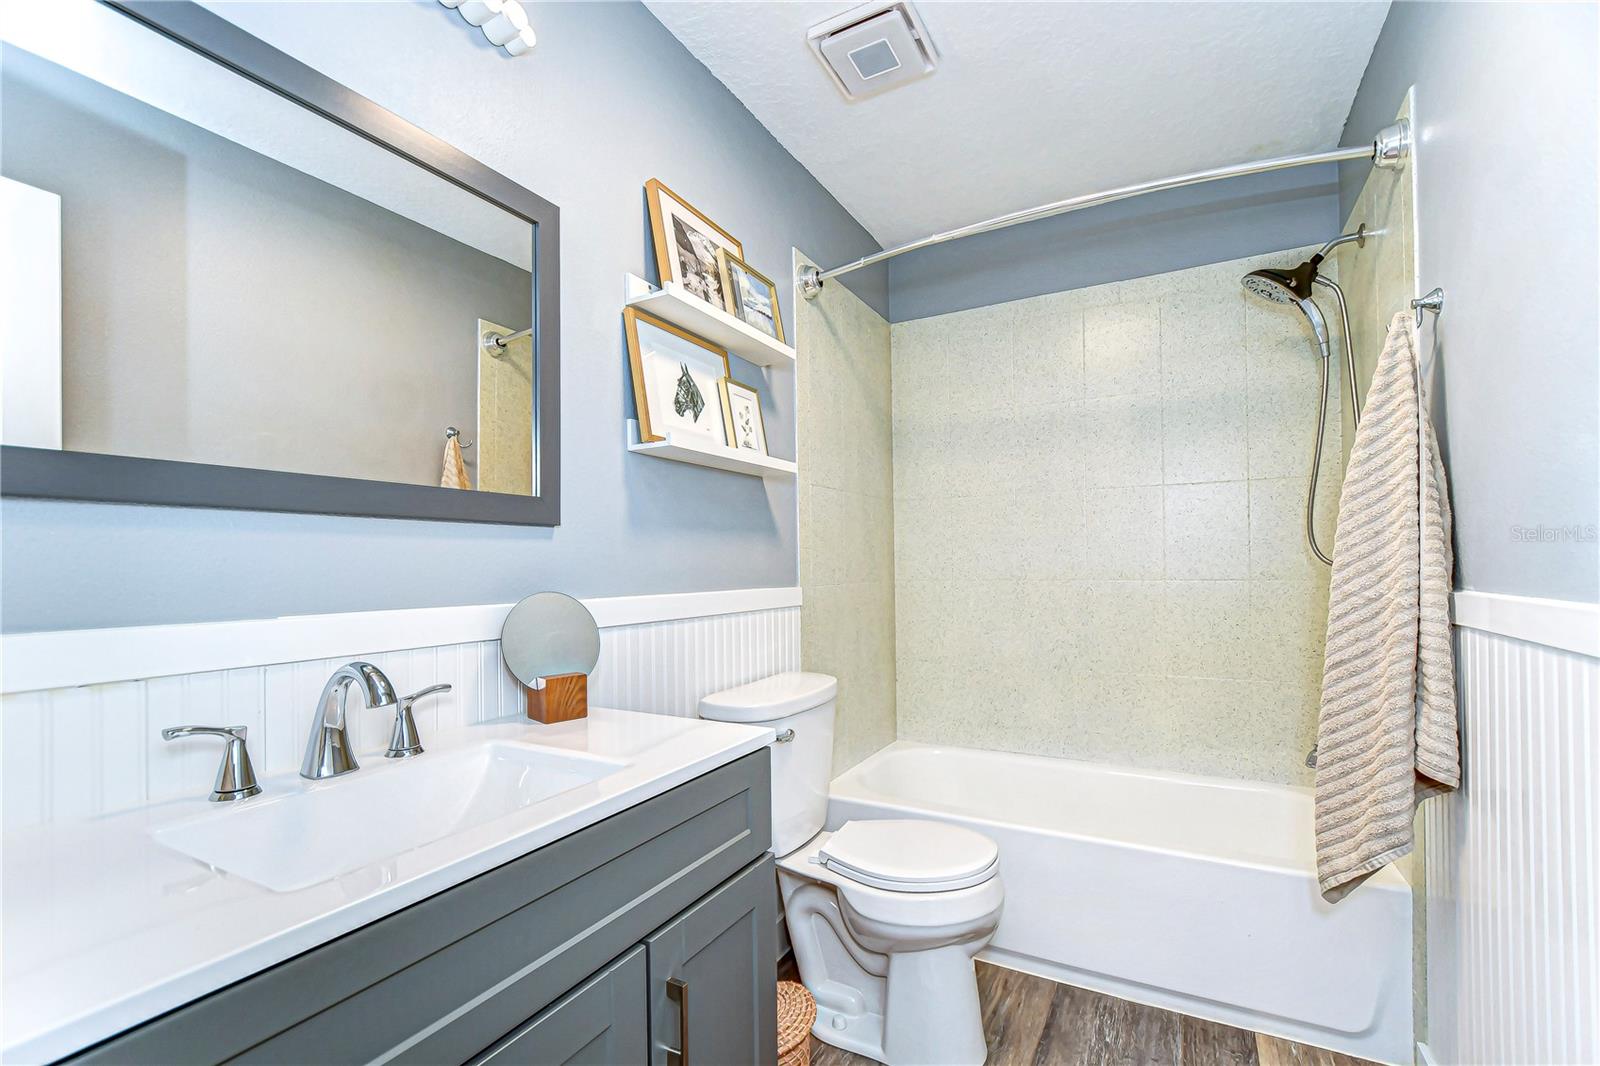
{"points": [[328, 750]]}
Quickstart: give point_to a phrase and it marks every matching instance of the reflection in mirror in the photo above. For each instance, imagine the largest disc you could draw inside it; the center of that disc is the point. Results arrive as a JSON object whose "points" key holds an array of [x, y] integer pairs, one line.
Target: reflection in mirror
{"points": [[244, 283], [549, 634]]}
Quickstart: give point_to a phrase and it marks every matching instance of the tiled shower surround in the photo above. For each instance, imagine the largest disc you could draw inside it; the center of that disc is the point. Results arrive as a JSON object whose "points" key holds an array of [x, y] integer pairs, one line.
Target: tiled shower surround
{"points": [[1098, 504], [847, 514]]}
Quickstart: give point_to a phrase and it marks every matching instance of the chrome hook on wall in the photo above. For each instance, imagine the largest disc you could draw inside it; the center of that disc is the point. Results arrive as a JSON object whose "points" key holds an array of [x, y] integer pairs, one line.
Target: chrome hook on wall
{"points": [[452, 432], [1432, 300]]}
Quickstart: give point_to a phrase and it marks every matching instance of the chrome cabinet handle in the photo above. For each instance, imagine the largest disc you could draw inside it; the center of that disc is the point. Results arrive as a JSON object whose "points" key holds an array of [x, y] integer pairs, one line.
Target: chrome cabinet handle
{"points": [[785, 736], [236, 778], [404, 741], [678, 992]]}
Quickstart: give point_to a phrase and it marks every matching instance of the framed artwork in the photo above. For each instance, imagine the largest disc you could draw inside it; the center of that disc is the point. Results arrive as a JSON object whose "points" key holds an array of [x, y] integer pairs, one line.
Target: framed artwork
{"points": [[751, 296], [741, 411], [677, 379], [687, 243]]}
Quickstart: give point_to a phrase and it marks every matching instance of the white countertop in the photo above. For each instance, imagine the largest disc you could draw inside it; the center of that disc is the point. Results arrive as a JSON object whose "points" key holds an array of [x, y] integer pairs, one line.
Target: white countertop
{"points": [[105, 928]]}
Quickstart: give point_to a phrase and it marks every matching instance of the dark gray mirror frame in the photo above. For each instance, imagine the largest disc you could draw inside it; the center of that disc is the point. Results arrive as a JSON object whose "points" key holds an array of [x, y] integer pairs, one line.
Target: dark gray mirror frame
{"points": [[63, 475]]}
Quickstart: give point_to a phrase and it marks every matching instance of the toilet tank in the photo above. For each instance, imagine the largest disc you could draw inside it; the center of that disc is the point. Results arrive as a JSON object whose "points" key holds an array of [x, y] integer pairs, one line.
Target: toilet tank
{"points": [[800, 707]]}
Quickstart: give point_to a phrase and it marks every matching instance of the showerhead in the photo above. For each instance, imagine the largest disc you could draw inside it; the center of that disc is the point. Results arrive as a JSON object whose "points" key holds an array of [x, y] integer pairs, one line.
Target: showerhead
{"points": [[1270, 285], [1292, 287], [1285, 286]]}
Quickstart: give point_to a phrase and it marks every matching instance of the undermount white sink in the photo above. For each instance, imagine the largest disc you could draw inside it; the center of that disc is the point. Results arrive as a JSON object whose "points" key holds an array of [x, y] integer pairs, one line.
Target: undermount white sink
{"points": [[293, 841]]}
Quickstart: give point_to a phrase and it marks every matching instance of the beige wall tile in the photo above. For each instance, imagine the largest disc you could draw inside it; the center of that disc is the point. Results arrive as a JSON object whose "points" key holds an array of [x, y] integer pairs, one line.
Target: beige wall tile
{"points": [[1123, 533], [1206, 627], [1121, 350], [1203, 434], [1121, 442], [1121, 627], [1202, 341], [1081, 568], [1208, 530], [845, 384], [1278, 546], [1047, 334], [1288, 627]]}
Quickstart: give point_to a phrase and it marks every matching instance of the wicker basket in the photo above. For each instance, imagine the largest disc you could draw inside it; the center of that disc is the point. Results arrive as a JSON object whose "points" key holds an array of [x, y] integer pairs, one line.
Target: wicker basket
{"points": [[797, 1011]]}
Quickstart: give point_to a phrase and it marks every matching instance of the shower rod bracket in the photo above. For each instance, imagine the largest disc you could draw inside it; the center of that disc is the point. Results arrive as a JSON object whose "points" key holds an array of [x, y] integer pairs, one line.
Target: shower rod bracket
{"points": [[1389, 150]]}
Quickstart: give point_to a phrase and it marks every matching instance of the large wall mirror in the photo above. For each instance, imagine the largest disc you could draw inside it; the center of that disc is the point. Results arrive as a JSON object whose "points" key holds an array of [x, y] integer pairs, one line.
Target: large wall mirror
{"points": [[232, 282]]}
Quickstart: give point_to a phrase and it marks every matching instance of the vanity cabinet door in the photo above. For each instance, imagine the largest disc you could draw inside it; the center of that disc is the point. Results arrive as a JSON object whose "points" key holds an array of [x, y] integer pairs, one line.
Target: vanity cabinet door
{"points": [[603, 1022], [713, 977]]}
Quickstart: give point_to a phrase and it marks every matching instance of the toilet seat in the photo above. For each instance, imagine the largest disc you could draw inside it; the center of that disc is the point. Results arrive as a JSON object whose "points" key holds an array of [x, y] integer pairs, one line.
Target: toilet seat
{"points": [[910, 855]]}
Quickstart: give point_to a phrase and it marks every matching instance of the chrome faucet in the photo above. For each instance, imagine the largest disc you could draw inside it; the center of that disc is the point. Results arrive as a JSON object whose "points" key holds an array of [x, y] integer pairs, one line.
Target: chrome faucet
{"points": [[236, 778], [403, 739], [328, 751]]}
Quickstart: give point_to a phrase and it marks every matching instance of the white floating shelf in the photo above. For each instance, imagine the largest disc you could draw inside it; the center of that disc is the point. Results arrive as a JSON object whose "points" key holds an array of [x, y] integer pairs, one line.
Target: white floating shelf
{"points": [[689, 448], [688, 312]]}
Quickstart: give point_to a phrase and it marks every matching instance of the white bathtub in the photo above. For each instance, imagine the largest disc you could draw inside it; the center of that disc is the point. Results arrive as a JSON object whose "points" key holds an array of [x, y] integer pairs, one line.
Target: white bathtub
{"points": [[1195, 894]]}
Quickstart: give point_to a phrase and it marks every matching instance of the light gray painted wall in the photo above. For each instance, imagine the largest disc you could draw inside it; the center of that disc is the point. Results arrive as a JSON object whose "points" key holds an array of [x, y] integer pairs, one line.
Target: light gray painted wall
{"points": [[1134, 238], [608, 100], [314, 332], [1506, 209]]}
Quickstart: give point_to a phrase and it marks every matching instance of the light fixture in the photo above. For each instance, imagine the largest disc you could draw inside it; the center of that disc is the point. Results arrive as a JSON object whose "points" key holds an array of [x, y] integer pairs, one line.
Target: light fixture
{"points": [[873, 48], [503, 22]]}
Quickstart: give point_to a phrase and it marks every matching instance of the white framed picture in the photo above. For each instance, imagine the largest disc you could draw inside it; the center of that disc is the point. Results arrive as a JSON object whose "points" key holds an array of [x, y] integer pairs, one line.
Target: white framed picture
{"points": [[741, 411], [677, 379], [687, 243]]}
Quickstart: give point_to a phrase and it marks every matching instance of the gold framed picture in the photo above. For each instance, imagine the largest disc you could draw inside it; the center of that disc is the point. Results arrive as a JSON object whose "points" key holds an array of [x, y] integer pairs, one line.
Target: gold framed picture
{"points": [[752, 297], [741, 414], [687, 243], [677, 379]]}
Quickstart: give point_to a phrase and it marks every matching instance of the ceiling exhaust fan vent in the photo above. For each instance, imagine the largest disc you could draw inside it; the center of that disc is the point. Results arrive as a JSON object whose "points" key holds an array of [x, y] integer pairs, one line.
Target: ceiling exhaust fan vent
{"points": [[873, 48]]}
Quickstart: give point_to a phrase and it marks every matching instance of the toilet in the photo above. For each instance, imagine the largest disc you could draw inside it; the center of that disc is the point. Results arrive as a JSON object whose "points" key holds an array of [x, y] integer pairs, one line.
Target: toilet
{"points": [[885, 915]]}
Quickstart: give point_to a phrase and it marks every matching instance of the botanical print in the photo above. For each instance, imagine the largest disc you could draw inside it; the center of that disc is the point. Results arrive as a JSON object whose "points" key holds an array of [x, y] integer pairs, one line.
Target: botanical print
{"points": [[744, 424], [746, 431]]}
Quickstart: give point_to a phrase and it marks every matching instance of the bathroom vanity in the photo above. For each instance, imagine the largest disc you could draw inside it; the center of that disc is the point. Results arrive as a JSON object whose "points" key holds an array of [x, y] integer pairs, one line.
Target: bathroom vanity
{"points": [[646, 934]]}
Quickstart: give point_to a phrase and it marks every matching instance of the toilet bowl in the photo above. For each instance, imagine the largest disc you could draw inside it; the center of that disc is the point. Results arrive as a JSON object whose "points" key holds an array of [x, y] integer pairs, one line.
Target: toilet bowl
{"points": [[885, 916]]}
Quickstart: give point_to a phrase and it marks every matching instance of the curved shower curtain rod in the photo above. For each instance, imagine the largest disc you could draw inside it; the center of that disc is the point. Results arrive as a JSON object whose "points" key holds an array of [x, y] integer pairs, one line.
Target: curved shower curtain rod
{"points": [[1388, 150]]}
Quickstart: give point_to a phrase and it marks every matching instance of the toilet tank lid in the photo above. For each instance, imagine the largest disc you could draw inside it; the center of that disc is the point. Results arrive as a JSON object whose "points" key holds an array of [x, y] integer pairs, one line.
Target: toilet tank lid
{"points": [[770, 698]]}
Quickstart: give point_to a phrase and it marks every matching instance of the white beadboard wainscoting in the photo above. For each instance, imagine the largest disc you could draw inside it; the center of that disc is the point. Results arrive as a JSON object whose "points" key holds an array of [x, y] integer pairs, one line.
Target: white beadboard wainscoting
{"points": [[73, 751], [1513, 857]]}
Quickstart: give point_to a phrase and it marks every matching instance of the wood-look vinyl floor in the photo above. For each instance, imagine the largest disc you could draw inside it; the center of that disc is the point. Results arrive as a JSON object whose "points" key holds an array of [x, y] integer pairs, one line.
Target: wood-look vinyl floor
{"points": [[1033, 1021]]}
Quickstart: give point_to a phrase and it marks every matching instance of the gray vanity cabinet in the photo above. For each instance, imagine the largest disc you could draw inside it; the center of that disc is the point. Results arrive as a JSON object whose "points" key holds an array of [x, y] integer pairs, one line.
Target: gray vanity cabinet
{"points": [[603, 1022], [561, 956], [711, 973]]}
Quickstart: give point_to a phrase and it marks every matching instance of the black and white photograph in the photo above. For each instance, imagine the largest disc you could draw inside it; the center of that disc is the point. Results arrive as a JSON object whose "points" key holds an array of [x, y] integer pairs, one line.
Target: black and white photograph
{"points": [[697, 262], [687, 245], [751, 296], [677, 380]]}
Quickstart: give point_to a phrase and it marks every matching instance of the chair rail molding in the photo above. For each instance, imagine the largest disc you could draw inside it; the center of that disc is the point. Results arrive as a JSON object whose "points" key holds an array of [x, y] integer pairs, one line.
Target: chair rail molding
{"points": [[1568, 625], [64, 658]]}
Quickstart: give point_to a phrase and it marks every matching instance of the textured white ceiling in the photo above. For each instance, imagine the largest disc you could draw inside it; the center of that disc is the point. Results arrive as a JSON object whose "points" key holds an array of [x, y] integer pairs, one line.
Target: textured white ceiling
{"points": [[1038, 101]]}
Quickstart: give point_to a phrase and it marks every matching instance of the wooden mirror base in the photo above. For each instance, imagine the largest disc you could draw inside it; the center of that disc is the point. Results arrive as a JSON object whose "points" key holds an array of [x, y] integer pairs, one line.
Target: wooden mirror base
{"points": [[563, 698]]}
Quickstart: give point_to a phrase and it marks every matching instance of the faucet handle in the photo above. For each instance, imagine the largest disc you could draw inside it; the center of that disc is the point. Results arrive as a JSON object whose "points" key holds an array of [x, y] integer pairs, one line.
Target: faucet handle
{"points": [[404, 742], [236, 778]]}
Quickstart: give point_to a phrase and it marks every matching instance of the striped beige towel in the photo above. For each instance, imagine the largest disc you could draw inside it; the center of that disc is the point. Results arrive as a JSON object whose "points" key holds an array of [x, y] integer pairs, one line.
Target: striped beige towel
{"points": [[453, 474], [1386, 736]]}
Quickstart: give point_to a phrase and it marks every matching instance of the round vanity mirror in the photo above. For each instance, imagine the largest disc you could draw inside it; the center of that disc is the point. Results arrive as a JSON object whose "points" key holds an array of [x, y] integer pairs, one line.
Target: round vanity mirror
{"points": [[549, 635]]}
